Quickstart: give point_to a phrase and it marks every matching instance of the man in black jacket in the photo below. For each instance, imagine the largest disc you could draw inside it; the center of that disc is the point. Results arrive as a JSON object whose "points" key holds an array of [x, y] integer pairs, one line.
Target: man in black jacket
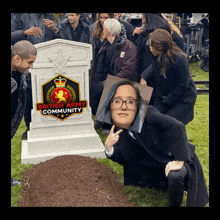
{"points": [[36, 28], [74, 29], [23, 55], [128, 27]]}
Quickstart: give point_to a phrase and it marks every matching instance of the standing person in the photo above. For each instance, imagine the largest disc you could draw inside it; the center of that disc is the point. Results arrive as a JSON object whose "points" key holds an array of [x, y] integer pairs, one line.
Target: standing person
{"points": [[36, 28], [74, 29], [129, 27], [176, 34], [151, 22], [23, 55], [116, 57], [98, 38], [62, 17], [159, 156], [175, 90], [204, 64]]}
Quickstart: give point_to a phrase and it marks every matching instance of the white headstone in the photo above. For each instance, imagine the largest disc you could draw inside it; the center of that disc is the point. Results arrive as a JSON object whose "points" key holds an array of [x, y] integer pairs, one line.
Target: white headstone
{"points": [[61, 117]]}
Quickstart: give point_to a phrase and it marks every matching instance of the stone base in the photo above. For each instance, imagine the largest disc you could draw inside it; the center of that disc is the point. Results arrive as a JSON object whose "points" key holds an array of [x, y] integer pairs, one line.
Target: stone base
{"points": [[38, 150]]}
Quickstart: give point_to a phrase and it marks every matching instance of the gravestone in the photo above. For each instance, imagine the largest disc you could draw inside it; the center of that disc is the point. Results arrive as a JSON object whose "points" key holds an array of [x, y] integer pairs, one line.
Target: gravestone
{"points": [[61, 116]]}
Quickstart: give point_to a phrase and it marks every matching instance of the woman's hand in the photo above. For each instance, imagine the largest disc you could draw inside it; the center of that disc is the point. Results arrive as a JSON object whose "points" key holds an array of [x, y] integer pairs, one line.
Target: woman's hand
{"points": [[173, 165], [112, 138], [143, 82], [138, 30]]}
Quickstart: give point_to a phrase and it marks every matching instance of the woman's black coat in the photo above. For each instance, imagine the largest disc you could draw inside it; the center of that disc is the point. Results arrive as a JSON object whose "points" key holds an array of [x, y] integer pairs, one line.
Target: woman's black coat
{"points": [[175, 95], [164, 138], [144, 53]]}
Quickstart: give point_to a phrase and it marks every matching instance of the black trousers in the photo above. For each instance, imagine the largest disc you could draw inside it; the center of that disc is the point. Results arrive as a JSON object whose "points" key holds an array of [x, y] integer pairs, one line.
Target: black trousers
{"points": [[29, 102], [177, 182]]}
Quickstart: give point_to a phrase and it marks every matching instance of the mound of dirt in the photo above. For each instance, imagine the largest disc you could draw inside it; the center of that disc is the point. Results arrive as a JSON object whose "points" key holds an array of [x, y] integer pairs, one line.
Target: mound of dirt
{"points": [[72, 181]]}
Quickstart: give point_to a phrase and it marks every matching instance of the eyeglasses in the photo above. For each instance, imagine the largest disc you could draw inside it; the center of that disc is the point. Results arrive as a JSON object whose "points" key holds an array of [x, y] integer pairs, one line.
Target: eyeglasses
{"points": [[130, 103]]}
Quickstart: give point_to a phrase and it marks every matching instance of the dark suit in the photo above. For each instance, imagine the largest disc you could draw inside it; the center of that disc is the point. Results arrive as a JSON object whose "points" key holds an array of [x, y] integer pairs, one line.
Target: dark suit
{"points": [[162, 139], [65, 32], [18, 101], [27, 20]]}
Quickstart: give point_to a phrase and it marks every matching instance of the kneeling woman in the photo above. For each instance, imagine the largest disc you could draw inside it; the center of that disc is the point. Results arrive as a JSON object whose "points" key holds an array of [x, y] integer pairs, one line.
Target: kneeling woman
{"points": [[160, 155], [174, 90]]}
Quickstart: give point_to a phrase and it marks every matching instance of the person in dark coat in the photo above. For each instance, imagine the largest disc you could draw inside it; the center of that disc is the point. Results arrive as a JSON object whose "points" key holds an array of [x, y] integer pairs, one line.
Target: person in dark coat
{"points": [[74, 29], [32, 27], [35, 28], [151, 22], [175, 91], [116, 57], [98, 39], [159, 156], [128, 27], [23, 55]]}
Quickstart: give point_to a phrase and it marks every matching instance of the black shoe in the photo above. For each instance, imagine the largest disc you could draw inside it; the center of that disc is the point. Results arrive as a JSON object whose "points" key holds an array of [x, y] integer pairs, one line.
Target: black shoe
{"points": [[24, 135], [98, 124], [14, 182]]}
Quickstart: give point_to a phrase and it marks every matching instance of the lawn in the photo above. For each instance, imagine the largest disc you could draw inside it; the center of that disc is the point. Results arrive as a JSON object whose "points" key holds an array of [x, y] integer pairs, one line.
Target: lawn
{"points": [[197, 132]]}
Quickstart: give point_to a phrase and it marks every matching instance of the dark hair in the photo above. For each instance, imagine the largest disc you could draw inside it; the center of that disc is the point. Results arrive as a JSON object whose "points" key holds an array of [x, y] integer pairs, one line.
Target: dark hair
{"points": [[104, 113], [162, 41], [156, 21], [24, 49], [77, 14]]}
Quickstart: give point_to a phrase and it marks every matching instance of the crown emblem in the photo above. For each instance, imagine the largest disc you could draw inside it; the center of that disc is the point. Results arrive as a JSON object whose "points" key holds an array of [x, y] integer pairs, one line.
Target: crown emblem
{"points": [[60, 82]]}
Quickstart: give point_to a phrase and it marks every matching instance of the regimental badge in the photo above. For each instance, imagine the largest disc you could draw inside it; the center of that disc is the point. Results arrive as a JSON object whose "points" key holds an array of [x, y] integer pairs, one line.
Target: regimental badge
{"points": [[61, 98]]}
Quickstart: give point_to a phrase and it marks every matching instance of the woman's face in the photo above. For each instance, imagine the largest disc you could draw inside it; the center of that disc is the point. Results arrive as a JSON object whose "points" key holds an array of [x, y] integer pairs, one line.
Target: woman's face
{"points": [[124, 106], [153, 50], [103, 17]]}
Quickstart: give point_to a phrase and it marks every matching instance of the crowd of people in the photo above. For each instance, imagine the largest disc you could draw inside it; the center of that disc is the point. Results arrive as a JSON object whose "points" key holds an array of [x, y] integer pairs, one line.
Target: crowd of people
{"points": [[151, 54]]}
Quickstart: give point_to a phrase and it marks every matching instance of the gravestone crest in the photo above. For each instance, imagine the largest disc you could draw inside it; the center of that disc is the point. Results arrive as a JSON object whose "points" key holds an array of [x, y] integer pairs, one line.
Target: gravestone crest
{"points": [[59, 61]]}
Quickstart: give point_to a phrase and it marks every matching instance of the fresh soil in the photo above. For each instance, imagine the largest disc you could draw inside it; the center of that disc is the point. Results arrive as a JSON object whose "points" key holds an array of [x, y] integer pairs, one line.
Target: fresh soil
{"points": [[74, 181]]}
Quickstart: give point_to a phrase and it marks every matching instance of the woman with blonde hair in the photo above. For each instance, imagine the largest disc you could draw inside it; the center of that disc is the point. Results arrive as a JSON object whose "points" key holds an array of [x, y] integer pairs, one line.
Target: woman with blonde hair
{"points": [[99, 38], [116, 57]]}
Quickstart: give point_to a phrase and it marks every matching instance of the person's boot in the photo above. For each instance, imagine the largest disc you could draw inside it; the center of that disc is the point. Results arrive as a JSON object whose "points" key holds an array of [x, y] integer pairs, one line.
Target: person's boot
{"points": [[97, 124], [24, 135]]}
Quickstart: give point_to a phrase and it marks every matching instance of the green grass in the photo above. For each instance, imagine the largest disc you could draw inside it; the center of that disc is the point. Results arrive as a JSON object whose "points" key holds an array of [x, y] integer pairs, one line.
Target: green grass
{"points": [[17, 168], [197, 132], [197, 72]]}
